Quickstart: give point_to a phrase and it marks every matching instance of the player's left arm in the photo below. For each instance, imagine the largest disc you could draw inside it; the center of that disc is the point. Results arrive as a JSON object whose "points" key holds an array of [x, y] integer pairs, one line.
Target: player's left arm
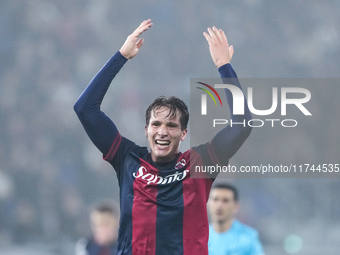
{"points": [[227, 141]]}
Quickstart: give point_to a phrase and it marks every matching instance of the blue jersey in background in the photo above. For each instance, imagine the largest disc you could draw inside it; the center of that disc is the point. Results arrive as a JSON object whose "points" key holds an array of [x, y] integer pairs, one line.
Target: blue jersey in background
{"points": [[238, 240]]}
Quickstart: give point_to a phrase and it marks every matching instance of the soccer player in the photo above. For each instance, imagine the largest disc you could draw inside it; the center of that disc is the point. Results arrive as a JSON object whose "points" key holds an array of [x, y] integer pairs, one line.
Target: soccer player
{"points": [[226, 234], [163, 210], [104, 225]]}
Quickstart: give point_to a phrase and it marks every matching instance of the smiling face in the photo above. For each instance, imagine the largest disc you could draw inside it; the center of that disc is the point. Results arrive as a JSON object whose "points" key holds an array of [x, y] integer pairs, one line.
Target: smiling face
{"points": [[164, 134]]}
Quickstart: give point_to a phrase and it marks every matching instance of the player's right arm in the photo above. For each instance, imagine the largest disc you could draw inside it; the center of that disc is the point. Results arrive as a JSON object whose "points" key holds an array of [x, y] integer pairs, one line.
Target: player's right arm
{"points": [[100, 128]]}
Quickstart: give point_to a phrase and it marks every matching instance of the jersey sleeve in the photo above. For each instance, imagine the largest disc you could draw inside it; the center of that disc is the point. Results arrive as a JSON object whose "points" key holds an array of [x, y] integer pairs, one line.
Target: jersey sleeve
{"points": [[228, 140], [99, 127], [117, 153]]}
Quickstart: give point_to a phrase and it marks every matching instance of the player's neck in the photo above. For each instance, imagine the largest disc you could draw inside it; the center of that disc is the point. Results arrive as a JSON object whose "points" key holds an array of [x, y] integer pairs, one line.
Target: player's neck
{"points": [[164, 162], [224, 226]]}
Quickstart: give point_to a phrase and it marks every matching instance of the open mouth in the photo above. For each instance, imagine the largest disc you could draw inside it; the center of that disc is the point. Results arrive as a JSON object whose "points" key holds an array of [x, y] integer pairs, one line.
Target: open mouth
{"points": [[162, 142]]}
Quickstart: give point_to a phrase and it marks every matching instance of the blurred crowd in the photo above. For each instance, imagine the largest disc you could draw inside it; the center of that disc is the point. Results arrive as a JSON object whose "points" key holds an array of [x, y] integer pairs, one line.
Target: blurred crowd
{"points": [[50, 172]]}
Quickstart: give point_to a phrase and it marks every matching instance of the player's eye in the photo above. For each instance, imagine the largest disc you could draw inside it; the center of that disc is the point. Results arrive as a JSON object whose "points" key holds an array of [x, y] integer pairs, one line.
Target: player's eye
{"points": [[156, 124], [172, 125]]}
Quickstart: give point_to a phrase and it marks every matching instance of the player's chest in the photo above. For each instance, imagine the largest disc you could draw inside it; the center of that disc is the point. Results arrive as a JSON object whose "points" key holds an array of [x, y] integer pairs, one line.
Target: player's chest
{"points": [[144, 174]]}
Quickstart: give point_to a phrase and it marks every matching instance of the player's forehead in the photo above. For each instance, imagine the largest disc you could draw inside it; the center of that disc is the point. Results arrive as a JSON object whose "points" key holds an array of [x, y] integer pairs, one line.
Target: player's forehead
{"points": [[164, 113], [221, 193]]}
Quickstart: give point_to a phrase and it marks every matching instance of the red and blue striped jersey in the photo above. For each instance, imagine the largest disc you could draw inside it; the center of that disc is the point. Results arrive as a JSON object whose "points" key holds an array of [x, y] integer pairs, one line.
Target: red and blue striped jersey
{"points": [[163, 210]]}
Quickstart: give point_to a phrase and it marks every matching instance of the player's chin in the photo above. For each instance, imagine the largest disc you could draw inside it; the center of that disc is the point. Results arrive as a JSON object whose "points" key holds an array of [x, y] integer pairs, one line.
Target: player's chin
{"points": [[161, 154]]}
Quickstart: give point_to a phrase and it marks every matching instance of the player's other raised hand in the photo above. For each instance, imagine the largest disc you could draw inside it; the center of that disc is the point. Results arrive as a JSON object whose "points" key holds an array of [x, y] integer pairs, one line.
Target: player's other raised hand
{"points": [[220, 51], [132, 44]]}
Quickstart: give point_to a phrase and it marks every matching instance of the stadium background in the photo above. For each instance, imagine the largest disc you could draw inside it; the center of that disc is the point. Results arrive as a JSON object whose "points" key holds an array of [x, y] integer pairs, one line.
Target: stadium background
{"points": [[50, 173]]}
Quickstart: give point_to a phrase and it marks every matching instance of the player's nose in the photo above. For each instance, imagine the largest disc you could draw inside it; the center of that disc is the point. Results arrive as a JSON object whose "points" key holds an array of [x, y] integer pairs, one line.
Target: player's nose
{"points": [[162, 131]]}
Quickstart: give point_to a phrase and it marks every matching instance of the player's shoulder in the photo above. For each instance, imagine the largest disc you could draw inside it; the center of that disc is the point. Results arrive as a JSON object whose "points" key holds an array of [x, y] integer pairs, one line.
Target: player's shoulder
{"points": [[244, 229], [199, 148], [132, 146], [200, 152], [124, 150]]}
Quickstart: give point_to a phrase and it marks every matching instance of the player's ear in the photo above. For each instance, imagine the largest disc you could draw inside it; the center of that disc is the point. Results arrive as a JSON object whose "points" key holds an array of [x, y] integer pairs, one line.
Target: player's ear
{"points": [[184, 134], [146, 131]]}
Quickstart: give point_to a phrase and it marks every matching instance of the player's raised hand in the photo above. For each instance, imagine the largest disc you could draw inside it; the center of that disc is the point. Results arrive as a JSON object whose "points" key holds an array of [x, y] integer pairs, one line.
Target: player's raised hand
{"points": [[133, 42], [220, 51]]}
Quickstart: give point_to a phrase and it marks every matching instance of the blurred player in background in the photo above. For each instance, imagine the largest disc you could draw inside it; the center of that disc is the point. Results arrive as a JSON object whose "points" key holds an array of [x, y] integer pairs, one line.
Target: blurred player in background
{"points": [[163, 210], [227, 235], [104, 220]]}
